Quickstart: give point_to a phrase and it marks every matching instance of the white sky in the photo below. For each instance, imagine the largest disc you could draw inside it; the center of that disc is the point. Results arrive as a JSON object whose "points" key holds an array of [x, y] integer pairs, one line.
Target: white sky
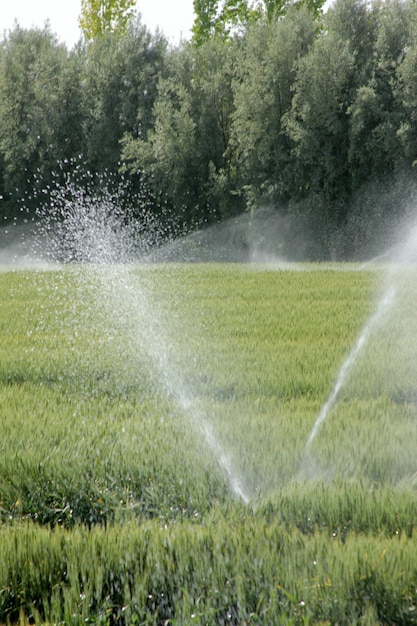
{"points": [[174, 17]]}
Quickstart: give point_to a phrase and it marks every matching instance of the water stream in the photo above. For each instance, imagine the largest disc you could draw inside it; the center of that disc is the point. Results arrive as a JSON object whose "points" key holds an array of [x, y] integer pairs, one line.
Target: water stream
{"points": [[381, 310], [93, 232]]}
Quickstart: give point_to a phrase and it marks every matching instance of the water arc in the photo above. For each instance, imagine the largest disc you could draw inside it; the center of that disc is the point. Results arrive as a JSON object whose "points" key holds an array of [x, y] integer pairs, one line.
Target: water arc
{"points": [[381, 310]]}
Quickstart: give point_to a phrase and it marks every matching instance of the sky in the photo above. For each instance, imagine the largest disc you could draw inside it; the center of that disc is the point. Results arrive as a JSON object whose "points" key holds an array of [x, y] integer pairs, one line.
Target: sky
{"points": [[173, 17]]}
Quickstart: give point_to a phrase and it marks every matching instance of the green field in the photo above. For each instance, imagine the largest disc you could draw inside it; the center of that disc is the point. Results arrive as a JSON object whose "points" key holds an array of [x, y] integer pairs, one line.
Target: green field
{"points": [[132, 397]]}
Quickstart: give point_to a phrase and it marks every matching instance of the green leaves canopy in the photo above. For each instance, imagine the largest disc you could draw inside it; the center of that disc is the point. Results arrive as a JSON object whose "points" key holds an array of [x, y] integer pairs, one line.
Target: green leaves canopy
{"points": [[99, 17], [225, 18], [286, 110]]}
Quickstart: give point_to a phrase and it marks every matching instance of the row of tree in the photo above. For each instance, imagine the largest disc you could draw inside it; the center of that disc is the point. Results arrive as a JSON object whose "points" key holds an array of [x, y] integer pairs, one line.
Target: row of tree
{"points": [[304, 112]]}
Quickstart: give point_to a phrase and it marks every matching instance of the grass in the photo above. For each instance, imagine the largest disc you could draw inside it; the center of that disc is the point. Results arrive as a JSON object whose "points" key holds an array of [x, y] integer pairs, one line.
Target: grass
{"points": [[114, 505]]}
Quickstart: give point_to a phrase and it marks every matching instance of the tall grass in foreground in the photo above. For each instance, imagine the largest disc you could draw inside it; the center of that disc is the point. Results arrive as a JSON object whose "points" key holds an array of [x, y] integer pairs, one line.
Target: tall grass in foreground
{"points": [[235, 568], [114, 510]]}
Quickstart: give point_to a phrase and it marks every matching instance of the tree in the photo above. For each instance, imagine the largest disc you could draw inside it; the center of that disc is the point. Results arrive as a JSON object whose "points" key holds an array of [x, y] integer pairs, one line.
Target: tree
{"points": [[318, 122], [183, 157], [263, 91], [355, 24], [407, 131], [120, 77], [225, 18], [100, 17], [56, 106], [338, 64], [277, 8], [405, 85], [377, 111], [33, 124], [222, 18]]}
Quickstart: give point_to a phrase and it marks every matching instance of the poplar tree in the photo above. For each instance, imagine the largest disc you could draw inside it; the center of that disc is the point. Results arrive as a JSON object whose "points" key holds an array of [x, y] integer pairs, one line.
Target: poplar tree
{"points": [[222, 18], [99, 17], [225, 18]]}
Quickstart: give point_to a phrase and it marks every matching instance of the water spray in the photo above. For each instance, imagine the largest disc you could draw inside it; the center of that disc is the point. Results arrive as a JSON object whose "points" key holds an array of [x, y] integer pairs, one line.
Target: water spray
{"points": [[382, 309], [400, 255], [90, 228]]}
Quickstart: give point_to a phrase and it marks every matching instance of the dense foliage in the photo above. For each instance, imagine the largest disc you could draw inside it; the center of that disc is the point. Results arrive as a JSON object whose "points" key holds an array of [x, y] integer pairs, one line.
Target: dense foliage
{"points": [[105, 16], [306, 112]]}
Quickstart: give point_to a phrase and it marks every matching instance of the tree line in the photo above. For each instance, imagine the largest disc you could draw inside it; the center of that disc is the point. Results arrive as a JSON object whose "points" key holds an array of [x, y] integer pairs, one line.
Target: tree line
{"points": [[311, 114]]}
